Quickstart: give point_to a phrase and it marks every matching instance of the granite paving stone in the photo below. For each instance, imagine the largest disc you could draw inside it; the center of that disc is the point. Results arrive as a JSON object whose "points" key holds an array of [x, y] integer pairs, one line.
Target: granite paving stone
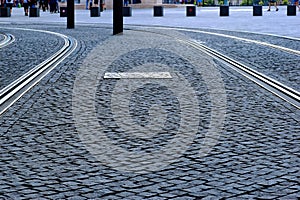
{"points": [[256, 156]]}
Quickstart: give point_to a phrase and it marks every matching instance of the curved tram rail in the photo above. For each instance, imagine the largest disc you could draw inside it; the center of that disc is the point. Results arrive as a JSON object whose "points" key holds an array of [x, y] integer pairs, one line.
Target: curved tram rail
{"points": [[8, 39], [280, 90], [14, 91]]}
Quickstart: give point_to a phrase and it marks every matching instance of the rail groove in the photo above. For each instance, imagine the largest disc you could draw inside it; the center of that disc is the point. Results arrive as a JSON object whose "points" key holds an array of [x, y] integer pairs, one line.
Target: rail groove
{"points": [[8, 39], [14, 91], [282, 91]]}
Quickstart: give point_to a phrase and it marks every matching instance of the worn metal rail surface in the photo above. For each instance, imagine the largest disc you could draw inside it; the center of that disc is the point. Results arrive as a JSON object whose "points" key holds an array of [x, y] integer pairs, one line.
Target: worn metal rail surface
{"points": [[8, 39], [279, 89], [14, 91]]}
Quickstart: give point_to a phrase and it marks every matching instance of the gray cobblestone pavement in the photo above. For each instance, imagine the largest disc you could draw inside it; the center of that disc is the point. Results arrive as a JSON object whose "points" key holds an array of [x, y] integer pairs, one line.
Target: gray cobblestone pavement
{"points": [[281, 66], [1, 37], [36, 47], [43, 156]]}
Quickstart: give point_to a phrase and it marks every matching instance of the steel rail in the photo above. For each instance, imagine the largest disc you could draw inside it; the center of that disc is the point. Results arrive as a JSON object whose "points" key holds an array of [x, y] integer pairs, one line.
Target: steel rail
{"points": [[14, 91], [282, 91], [8, 39], [289, 50], [279, 89]]}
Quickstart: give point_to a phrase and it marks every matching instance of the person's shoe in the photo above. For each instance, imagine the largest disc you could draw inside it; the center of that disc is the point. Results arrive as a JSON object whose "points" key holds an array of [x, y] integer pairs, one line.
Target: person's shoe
{"points": [[268, 10], [277, 9], [26, 14]]}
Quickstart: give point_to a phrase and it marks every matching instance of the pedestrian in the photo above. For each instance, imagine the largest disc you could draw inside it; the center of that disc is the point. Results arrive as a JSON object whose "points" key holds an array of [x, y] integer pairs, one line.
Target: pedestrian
{"points": [[32, 3], [56, 6], [199, 2], [91, 4], [272, 2], [296, 3], [52, 4], [45, 5], [125, 3], [25, 6], [9, 4]]}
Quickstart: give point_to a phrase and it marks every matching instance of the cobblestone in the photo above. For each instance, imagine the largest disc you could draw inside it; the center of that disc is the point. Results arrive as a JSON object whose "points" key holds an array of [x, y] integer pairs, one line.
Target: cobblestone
{"points": [[42, 154], [283, 68]]}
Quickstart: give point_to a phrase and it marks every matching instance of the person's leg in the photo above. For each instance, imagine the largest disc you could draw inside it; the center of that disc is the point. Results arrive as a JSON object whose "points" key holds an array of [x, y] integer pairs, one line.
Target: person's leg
{"points": [[297, 4], [269, 6], [10, 7], [275, 4], [26, 8]]}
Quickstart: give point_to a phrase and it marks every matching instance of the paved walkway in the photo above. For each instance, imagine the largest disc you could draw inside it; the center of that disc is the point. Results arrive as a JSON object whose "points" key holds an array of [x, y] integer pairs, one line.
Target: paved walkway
{"points": [[245, 141], [208, 17]]}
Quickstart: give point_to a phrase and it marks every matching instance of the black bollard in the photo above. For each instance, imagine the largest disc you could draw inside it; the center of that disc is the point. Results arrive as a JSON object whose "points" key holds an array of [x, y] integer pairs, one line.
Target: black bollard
{"points": [[257, 10], [5, 12], [71, 15], [63, 12], [224, 10], [127, 11], [291, 10], [117, 17], [34, 12], [158, 11], [95, 11], [191, 11]]}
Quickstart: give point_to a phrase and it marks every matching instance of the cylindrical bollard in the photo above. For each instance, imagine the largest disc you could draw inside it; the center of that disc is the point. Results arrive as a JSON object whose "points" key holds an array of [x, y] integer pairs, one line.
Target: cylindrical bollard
{"points": [[257, 10], [117, 17], [95, 11], [291, 10], [224, 11], [34, 12], [158, 11], [191, 11], [127, 11], [5, 12], [63, 12], [71, 14]]}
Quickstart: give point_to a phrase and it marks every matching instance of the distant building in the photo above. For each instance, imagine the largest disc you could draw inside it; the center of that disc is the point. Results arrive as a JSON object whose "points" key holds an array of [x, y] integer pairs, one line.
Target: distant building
{"points": [[108, 3], [149, 3]]}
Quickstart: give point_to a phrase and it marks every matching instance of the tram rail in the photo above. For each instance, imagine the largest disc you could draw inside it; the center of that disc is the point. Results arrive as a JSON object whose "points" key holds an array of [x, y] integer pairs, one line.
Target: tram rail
{"points": [[8, 39], [14, 91], [277, 88]]}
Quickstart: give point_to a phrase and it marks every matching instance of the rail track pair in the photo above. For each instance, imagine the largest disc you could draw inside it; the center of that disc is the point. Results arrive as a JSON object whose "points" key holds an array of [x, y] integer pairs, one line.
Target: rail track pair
{"points": [[14, 91]]}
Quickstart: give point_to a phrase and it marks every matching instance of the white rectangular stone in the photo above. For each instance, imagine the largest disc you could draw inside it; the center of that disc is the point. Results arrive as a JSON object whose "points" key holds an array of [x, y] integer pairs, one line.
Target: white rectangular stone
{"points": [[137, 75]]}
